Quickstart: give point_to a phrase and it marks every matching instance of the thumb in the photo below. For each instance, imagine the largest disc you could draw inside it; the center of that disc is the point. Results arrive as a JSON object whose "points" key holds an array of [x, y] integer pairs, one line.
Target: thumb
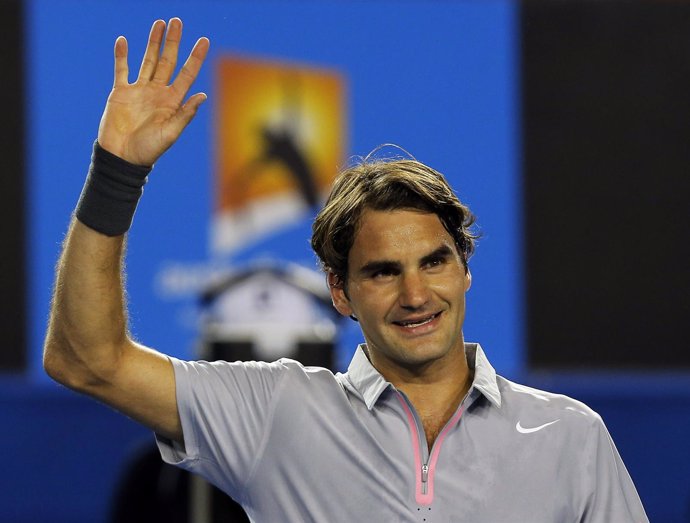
{"points": [[187, 112]]}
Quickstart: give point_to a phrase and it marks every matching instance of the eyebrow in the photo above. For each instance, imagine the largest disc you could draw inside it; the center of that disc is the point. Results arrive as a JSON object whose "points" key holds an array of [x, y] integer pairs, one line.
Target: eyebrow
{"points": [[379, 265], [444, 251]]}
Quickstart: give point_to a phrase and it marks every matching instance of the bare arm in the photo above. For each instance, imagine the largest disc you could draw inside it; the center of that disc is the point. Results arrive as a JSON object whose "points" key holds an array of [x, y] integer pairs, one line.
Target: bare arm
{"points": [[88, 347]]}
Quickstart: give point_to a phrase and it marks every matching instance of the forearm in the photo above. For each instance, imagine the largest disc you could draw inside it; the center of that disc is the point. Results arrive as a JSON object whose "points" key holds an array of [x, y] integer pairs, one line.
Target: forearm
{"points": [[88, 329]]}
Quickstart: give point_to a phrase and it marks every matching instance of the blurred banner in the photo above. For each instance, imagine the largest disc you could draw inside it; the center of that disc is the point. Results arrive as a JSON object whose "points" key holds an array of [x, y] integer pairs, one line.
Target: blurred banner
{"points": [[293, 90]]}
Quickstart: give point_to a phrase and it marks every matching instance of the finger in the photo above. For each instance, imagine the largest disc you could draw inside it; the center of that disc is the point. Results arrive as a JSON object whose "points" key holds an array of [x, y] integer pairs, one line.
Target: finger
{"points": [[150, 60], [190, 69], [168, 58], [121, 68]]}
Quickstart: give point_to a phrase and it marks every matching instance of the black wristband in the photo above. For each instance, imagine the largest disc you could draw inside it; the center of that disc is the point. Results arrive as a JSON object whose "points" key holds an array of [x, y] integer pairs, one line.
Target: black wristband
{"points": [[111, 192]]}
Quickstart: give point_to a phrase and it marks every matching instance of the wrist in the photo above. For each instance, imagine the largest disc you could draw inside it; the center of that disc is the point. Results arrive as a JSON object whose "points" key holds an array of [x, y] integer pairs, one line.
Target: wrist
{"points": [[111, 192]]}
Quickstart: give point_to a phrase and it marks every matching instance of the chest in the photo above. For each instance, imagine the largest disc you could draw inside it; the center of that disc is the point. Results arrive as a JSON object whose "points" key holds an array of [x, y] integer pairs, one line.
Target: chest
{"points": [[354, 461], [432, 425]]}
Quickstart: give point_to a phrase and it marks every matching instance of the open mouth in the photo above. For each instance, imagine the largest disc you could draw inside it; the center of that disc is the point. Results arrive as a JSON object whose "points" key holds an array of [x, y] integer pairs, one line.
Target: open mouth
{"points": [[419, 322]]}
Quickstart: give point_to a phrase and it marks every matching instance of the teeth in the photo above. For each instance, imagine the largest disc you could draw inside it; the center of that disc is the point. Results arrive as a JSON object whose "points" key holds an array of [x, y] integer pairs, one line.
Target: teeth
{"points": [[417, 323]]}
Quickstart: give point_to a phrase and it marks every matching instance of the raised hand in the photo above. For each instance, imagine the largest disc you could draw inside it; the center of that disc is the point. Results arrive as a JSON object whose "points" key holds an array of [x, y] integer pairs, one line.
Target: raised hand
{"points": [[142, 120]]}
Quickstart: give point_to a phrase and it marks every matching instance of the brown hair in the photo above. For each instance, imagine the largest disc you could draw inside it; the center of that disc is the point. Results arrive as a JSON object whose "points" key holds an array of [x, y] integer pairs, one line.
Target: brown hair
{"points": [[384, 185]]}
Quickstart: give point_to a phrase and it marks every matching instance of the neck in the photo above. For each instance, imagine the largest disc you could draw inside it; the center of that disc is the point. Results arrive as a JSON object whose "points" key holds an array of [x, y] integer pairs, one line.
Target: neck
{"points": [[438, 398], [435, 388]]}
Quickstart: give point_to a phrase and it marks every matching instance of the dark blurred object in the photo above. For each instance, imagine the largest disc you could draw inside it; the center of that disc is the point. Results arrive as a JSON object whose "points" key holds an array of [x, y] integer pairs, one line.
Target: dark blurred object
{"points": [[606, 124], [308, 353], [12, 182], [152, 491]]}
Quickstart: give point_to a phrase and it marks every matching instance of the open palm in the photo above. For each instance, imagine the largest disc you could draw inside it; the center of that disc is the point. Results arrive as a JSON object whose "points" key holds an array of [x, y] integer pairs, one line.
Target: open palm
{"points": [[143, 119]]}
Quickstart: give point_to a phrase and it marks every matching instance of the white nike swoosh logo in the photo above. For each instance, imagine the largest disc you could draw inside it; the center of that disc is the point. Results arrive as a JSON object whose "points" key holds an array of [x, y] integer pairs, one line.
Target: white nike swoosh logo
{"points": [[523, 430]]}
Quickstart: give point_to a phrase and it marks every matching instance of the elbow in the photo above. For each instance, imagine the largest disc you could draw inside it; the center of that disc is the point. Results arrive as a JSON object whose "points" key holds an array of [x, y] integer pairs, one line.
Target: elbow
{"points": [[63, 364], [55, 364], [51, 361]]}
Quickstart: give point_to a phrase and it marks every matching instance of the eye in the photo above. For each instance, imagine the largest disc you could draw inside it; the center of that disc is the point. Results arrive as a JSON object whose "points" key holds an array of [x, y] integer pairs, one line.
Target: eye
{"points": [[435, 262], [383, 273]]}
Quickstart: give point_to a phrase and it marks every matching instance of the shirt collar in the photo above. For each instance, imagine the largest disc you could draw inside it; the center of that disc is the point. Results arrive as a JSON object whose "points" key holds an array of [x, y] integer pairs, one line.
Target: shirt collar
{"points": [[370, 384], [484, 374], [365, 378]]}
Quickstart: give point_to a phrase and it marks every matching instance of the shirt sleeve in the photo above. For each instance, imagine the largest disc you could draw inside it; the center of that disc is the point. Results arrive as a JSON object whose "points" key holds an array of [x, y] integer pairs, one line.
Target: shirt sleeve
{"points": [[612, 494], [225, 410]]}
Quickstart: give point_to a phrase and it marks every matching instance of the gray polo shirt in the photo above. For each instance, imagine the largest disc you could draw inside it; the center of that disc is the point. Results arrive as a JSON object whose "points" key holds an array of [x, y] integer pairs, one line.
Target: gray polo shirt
{"points": [[293, 443]]}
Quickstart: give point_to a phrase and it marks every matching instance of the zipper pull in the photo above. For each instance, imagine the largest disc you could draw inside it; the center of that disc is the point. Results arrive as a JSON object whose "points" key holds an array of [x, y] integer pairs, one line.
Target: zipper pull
{"points": [[425, 477]]}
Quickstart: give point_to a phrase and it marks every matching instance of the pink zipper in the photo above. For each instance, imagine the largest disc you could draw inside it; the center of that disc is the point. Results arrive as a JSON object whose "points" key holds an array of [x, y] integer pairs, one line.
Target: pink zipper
{"points": [[424, 472]]}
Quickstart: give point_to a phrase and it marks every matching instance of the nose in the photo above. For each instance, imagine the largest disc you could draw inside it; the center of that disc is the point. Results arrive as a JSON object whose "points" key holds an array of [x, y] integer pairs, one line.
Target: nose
{"points": [[414, 291]]}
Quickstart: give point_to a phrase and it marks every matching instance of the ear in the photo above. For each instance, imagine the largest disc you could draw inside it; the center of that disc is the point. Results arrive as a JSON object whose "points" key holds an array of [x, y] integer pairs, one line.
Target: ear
{"points": [[468, 280], [340, 300]]}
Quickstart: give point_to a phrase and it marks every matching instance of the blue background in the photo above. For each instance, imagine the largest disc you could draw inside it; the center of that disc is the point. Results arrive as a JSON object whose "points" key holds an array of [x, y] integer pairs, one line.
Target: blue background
{"points": [[438, 78]]}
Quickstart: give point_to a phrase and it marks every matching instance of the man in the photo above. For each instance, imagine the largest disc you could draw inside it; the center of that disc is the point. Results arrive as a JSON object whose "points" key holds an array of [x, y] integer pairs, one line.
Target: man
{"points": [[420, 428]]}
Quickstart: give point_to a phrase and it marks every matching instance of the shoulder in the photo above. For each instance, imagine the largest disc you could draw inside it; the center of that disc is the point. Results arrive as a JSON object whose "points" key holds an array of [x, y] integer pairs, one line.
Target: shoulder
{"points": [[221, 366], [251, 371], [533, 408], [315, 381]]}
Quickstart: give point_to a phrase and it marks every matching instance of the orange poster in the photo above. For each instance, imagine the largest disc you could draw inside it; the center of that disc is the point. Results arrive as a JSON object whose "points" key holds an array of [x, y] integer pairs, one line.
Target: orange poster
{"points": [[280, 138]]}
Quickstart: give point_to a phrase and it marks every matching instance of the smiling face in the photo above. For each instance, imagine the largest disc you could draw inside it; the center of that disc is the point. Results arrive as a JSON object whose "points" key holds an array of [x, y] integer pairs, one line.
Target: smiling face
{"points": [[406, 286]]}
